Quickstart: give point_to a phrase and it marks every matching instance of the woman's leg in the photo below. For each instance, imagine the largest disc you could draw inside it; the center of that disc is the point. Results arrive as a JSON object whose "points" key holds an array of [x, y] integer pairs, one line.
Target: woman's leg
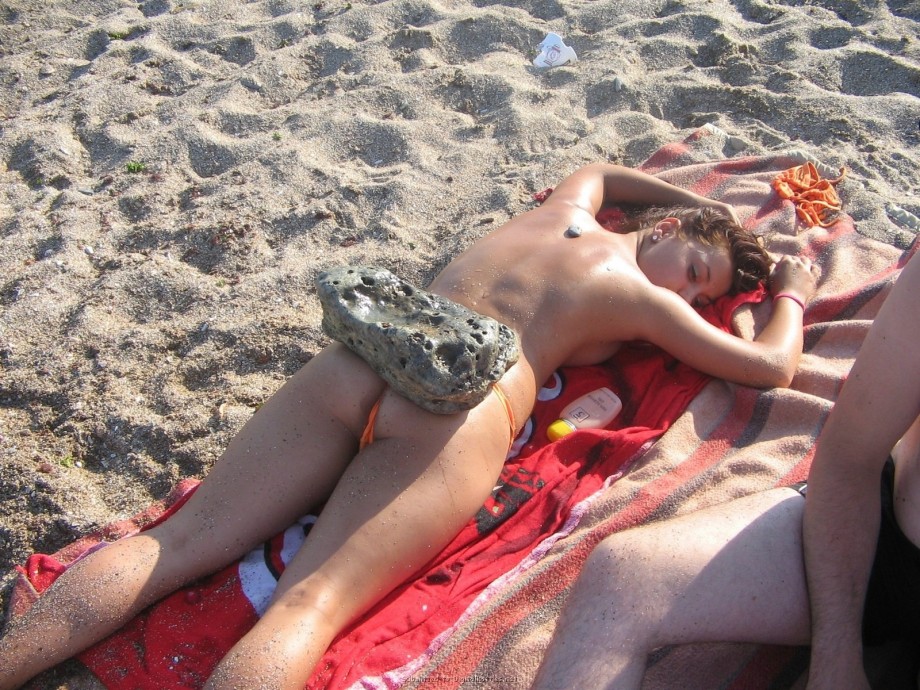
{"points": [[399, 503], [283, 463], [733, 572]]}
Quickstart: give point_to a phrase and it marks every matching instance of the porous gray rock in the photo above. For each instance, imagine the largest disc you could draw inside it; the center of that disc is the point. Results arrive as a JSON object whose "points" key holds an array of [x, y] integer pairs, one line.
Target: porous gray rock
{"points": [[439, 354]]}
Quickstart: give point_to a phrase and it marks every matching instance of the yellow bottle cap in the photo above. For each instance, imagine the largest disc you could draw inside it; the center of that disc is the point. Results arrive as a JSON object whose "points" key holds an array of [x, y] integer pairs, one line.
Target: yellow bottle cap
{"points": [[558, 429]]}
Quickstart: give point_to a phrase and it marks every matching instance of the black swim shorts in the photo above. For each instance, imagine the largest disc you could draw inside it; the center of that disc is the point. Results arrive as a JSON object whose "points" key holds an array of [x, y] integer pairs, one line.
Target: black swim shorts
{"points": [[893, 597]]}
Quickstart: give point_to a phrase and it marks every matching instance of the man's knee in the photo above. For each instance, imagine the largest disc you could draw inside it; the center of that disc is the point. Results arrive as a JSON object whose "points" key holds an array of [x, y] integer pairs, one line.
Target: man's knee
{"points": [[620, 564], [616, 593]]}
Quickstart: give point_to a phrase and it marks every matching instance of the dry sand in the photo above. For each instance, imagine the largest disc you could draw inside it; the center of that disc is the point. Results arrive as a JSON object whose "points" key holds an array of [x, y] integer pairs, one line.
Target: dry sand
{"points": [[174, 174]]}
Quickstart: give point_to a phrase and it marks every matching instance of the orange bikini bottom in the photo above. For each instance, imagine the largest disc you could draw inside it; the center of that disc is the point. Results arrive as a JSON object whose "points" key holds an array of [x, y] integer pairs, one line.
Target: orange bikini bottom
{"points": [[367, 437]]}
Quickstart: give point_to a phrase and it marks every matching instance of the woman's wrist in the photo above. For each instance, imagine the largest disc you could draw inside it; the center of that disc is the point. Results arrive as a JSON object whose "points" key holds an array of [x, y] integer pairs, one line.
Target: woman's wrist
{"points": [[790, 295]]}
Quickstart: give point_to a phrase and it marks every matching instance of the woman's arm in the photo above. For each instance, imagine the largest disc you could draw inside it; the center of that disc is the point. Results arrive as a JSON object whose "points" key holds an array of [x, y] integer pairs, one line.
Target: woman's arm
{"points": [[771, 359], [878, 403], [592, 186]]}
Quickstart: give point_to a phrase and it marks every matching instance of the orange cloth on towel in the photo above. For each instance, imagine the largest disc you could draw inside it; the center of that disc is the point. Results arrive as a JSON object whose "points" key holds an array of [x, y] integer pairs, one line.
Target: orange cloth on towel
{"points": [[816, 200]]}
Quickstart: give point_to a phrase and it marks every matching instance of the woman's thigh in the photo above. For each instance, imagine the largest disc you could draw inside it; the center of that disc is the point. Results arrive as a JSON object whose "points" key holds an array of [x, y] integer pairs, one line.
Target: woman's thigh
{"points": [[283, 463], [400, 502]]}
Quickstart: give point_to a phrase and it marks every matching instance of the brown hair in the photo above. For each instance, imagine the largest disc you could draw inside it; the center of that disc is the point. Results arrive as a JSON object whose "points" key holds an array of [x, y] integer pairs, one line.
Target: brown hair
{"points": [[712, 227]]}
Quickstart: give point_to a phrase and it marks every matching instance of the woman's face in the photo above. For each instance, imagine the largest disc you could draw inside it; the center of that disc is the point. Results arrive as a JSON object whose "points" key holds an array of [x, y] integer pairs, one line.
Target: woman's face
{"points": [[698, 272]]}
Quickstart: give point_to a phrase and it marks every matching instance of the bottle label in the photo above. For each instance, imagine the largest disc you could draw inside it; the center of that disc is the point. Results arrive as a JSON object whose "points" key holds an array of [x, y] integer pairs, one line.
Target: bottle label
{"points": [[578, 414], [593, 410]]}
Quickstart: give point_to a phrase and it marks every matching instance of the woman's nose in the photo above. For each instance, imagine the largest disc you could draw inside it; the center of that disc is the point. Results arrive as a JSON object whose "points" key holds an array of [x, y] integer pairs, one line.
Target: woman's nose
{"points": [[688, 294], [694, 296]]}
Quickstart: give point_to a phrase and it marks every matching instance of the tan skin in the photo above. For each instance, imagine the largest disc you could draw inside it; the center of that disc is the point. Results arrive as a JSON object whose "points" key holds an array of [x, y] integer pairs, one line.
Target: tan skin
{"points": [[571, 300]]}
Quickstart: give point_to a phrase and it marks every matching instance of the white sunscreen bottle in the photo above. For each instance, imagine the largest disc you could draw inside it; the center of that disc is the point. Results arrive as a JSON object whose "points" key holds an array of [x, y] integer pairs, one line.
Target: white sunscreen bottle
{"points": [[593, 410]]}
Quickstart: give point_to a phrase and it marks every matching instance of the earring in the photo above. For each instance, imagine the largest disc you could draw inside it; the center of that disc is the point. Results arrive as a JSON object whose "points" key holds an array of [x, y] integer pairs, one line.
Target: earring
{"points": [[655, 237]]}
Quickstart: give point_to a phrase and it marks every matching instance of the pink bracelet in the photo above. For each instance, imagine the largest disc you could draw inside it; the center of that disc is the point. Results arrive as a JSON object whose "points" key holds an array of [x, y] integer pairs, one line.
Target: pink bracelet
{"points": [[794, 298]]}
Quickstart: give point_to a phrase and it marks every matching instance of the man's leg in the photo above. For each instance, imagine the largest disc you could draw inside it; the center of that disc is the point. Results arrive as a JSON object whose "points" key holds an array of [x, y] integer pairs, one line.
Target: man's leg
{"points": [[282, 464], [400, 502], [730, 572]]}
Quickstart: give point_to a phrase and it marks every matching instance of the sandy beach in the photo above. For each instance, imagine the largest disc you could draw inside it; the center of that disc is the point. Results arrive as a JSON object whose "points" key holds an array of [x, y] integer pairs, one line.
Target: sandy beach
{"points": [[174, 174]]}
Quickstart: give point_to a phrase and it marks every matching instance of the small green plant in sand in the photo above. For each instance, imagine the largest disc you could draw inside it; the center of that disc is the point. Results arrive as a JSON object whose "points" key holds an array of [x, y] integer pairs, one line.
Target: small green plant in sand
{"points": [[276, 136], [118, 35], [67, 461], [135, 167]]}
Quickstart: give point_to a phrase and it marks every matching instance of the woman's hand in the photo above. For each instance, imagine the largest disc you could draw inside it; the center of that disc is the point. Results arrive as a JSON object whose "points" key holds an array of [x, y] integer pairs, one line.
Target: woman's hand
{"points": [[796, 275]]}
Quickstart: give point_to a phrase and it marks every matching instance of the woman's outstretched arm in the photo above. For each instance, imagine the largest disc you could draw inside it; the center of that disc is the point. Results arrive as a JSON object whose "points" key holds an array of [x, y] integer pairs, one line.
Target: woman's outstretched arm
{"points": [[593, 186]]}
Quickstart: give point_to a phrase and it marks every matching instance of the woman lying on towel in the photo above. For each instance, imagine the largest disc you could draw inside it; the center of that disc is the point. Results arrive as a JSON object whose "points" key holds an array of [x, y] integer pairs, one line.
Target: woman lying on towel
{"points": [[752, 569], [570, 293]]}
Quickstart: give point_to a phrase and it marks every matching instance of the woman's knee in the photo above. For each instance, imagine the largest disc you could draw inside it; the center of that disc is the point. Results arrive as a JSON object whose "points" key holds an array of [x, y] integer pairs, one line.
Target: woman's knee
{"points": [[188, 551], [316, 598]]}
